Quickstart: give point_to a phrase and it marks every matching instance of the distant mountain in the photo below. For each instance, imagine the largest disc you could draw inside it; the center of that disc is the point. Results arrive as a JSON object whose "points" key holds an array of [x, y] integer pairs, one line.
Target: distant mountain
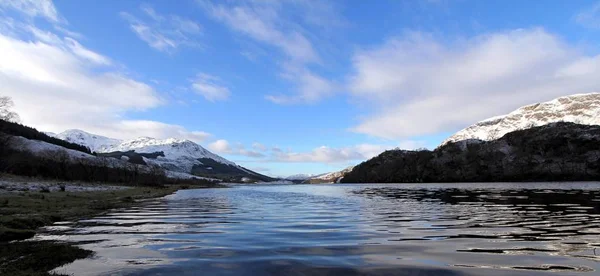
{"points": [[333, 177], [581, 109], [299, 177], [553, 152], [172, 154]]}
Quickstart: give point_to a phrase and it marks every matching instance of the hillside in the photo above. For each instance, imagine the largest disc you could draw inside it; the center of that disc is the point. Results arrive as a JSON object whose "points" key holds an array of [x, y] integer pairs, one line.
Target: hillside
{"points": [[581, 109], [15, 129], [176, 155], [95, 143], [333, 177], [554, 152]]}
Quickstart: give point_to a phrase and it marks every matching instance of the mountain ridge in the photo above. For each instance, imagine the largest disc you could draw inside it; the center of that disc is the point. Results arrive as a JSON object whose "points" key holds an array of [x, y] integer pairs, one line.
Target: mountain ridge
{"points": [[172, 154], [553, 152], [583, 109]]}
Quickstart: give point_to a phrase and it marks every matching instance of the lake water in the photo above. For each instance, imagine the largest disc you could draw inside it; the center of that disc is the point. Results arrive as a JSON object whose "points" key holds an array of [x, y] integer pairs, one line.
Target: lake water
{"points": [[424, 229]]}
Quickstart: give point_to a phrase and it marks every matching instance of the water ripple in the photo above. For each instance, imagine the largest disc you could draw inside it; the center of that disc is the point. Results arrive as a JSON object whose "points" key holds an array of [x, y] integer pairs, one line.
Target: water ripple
{"points": [[450, 229]]}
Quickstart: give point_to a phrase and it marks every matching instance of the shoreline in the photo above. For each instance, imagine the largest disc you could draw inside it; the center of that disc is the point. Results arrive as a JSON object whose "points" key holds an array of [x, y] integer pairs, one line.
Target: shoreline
{"points": [[24, 211]]}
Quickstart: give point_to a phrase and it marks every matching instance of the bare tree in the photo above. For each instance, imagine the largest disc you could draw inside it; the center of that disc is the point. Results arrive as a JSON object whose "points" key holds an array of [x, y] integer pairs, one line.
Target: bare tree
{"points": [[6, 113], [61, 159], [89, 167]]}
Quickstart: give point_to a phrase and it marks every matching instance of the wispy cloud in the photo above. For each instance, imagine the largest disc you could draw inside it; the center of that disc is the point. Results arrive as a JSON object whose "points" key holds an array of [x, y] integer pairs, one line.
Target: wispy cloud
{"points": [[590, 17], [262, 21], [311, 87], [342, 155], [224, 147], [418, 85], [164, 33], [267, 22], [33, 8], [210, 87], [85, 53], [321, 155]]}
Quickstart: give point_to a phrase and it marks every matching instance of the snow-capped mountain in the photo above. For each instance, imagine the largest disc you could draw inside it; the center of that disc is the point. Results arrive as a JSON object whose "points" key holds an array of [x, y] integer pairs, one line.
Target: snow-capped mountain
{"points": [[299, 177], [95, 142], [579, 108], [172, 148], [172, 154]]}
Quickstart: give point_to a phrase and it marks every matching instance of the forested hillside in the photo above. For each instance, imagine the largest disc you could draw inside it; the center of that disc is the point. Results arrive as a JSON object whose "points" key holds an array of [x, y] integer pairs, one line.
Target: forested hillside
{"points": [[554, 152]]}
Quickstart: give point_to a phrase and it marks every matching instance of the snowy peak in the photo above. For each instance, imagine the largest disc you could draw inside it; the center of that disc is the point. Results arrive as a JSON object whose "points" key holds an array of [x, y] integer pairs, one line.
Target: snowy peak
{"points": [[581, 109], [172, 148], [95, 142]]}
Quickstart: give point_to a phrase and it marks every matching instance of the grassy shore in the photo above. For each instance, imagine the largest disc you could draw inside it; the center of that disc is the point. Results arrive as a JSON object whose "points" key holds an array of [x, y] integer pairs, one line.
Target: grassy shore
{"points": [[22, 213]]}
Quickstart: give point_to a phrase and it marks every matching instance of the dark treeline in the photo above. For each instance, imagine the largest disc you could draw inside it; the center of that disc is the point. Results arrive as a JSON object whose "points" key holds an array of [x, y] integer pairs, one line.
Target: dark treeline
{"points": [[59, 165], [555, 152], [16, 129]]}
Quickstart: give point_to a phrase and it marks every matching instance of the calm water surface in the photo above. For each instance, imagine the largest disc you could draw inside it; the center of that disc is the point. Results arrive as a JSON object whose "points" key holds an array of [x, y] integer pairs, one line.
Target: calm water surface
{"points": [[426, 229]]}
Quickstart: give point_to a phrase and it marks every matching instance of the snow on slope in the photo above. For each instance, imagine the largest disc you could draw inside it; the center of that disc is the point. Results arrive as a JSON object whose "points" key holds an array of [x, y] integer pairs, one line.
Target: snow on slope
{"points": [[579, 108], [96, 143], [334, 176], [172, 148], [40, 147], [181, 156]]}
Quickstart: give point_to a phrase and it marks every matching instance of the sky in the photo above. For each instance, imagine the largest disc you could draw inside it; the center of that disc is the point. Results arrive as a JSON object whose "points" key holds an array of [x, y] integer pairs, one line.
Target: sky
{"points": [[291, 86]]}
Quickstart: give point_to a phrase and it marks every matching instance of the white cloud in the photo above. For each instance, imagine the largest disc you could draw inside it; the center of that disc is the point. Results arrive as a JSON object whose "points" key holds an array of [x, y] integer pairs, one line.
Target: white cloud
{"points": [[33, 8], [329, 155], [223, 147], [82, 52], [322, 155], [55, 85], [136, 128], [259, 147], [419, 86], [311, 87], [590, 17], [261, 21], [210, 87], [164, 33], [272, 23], [220, 146]]}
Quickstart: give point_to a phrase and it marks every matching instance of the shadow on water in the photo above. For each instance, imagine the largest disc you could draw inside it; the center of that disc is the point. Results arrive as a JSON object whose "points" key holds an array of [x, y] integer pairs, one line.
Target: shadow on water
{"points": [[296, 268], [527, 222], [348, 230]]}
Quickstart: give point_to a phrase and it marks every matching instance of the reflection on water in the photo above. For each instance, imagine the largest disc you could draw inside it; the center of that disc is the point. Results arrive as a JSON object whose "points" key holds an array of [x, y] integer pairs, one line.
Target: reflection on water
{"points": [[429, 229]]}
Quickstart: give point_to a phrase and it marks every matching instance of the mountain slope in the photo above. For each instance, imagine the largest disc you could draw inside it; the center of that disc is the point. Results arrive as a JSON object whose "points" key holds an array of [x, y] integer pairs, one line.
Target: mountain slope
{"points": [[581, 109], [554, 152], [171, 148], [172, 154], [333, 177], [96, 143]]}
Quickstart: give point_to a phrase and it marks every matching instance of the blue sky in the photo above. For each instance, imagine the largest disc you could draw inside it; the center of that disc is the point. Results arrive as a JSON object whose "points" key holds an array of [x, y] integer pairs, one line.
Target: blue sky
{"points": [[292, 86]]}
